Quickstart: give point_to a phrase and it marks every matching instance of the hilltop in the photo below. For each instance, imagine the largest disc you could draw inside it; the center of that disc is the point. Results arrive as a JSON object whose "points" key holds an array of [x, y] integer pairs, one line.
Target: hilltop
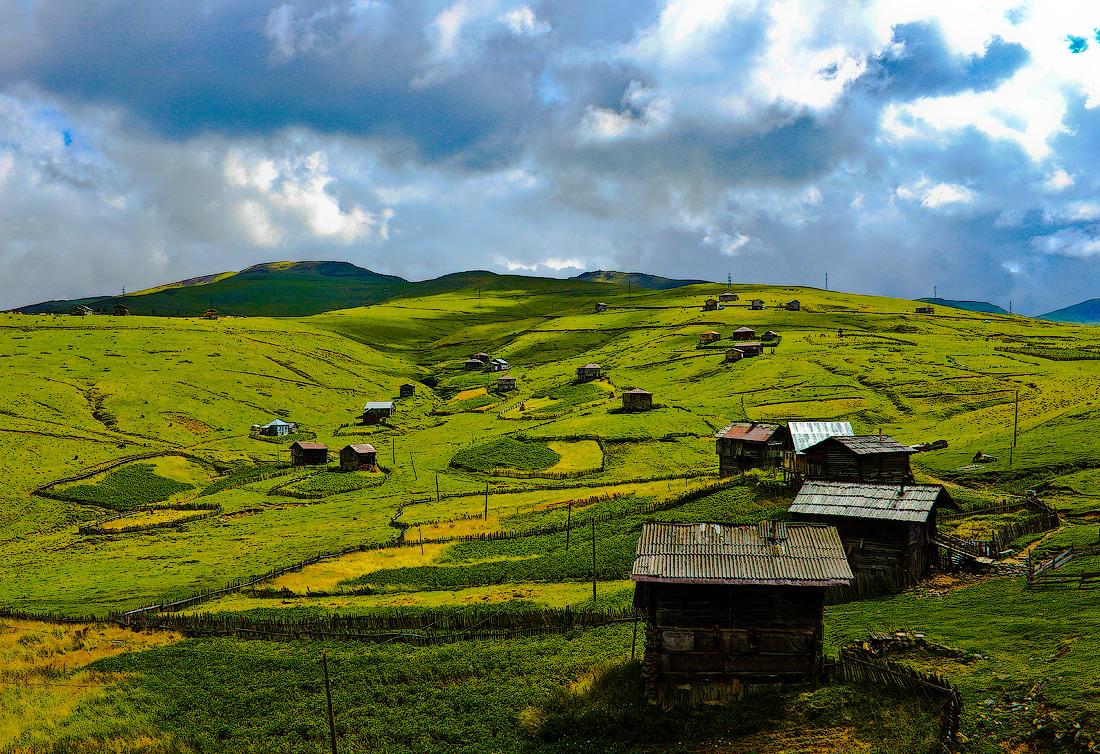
{"points": [[636, 279], [969, 306], [1085, 313]]}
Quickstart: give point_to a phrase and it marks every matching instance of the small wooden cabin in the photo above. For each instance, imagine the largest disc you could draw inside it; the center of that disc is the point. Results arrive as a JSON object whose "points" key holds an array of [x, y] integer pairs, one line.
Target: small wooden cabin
{"points": [[210, 313], [376, 411], [710, 305], [278, 428], [407, 390], [473, 365], [361, 457], [588, 372], [734, 354], [859, 458], [482, 357], [497, 365], [888, 530], [82, 311], [926, 310], [506, 383], [601, 307], [770, 335], [727, 296], [727, 606], [746, 445], [308, 453], [120, 310], [805, 434], [751, 348], [793, 306], [637, 400], [756, 304], [743, 333], [710, 336]]}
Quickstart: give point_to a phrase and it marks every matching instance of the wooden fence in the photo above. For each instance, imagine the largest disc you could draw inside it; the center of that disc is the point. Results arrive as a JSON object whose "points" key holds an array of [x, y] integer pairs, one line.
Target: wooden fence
{"points": [[1045, 518], [202, 510], [1043, 573]]}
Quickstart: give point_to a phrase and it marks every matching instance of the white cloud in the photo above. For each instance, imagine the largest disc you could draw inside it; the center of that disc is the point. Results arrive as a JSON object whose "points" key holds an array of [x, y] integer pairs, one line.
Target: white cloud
{"points": [[1058, 180], [727, 244], [1084, 210], [1013, 268], [1070, 242], [557, 264], [934, 195], [523, 22], [644, 112]]}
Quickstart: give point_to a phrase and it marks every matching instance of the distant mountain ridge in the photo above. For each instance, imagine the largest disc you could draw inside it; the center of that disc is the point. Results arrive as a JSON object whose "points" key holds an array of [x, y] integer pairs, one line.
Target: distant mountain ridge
{"points": [[1083, 313], [970, 306], [636, 279]]}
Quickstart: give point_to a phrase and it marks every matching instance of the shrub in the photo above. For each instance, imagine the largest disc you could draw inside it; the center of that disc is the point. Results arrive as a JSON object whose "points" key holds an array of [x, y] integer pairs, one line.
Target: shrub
{"points": [[506, 452], [126, 487]]}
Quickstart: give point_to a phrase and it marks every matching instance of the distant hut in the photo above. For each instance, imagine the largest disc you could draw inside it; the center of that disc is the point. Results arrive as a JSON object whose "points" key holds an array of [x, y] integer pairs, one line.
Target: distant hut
{"points": [[210, 313], [888, 530], [505, 383], [726, 297], [751, 348], [588, 372], [859, 458], [473, 365], [497, 365], [601, 307], [746, 445], [376, 411], [710, 305], [710, 336], [407, 390], [729, 606], [120, 310], [743, 333], [926, 310], [637, 400], [734, 354], [756, 304], [308, 453], [361, 457], [277, 428], [793, 305], [770, 335], [481, 356], [82, 311]]}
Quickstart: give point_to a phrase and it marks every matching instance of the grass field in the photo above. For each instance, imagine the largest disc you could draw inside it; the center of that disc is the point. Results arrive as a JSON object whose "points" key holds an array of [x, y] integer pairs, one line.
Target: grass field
{"points": [[106, 414]]}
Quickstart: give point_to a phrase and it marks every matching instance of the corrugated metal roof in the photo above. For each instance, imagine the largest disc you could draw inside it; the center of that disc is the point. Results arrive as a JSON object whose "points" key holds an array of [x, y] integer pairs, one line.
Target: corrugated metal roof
{"points": [[278, 423], [805, 434], [888, 502], [590, 366], [752, 432], [870, 444], [363, 447], [376, 405], [639, 391], [805, 555], [309, 445], [744, 329], [711, 332]]}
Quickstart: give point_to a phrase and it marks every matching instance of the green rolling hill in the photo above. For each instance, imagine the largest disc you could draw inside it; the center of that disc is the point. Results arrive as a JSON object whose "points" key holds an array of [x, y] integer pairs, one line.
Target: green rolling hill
{"points": [[1084, 313], [636, 279], [969, 306]]}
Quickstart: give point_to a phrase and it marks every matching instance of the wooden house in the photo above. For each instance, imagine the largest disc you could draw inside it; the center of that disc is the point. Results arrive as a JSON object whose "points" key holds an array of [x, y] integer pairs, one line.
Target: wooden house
{"points": [[481, 356], [637, 400], [308, 453], [120, 310], [407, 390], [888, 530], [926, 310], [734, 354], [710, 336], [770, 335], [82, 311], [505, 383], [601, 307], [497, 365], [793, 306], [756, 304], [727, 296], [473, 365], [746, 445], [728, 606], [751, 348], [277, 428], [859, 458], [710, 305], [210, 313], [805, 434], [376, 411], [743, 333], [361, 457], [588, 372]]}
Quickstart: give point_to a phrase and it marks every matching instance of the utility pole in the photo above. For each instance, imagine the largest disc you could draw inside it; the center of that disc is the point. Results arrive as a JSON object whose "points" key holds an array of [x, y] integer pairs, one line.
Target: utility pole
{"points": [[593, 559], [826, 281], [486, 516], [729, 281], [935, 294], [420, 531], [328, 699], [1015, 427], [437, 488], [393, 447]]}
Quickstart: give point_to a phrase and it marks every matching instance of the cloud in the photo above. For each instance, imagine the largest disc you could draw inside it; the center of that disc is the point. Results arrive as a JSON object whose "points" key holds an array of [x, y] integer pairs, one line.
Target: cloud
{"points": [[1058, 181], [555, 264], [524, 22], [934, 195], [1069, 242]]}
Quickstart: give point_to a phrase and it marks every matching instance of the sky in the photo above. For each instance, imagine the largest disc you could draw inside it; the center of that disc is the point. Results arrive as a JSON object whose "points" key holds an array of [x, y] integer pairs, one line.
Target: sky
{"points": [[897, 146]]}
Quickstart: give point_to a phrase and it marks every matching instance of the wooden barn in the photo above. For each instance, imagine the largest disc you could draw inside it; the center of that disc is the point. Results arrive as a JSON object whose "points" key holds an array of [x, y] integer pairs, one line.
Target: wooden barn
{"points": [[743, 333], [473, 365], [710, 336], [793, 306], [728, 606], [407, 390], [637, 400], [770, 335], [277, 428], [751, 348], [120, 310], [210, 313], [710, 305], [756, 304], [82, 311], [926, 310], [601, 307], [734, 354], [481, 356], [859, 458], [805, 434], [588, 372], [727, 296], [746, 445], [308, 453], [376, 411], [505, 383], [361, 457], [888, 530], [497, 365]]}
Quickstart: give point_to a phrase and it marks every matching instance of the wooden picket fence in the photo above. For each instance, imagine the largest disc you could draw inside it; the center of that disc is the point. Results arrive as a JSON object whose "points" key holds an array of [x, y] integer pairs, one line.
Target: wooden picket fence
{"points": [[1043, 573]]}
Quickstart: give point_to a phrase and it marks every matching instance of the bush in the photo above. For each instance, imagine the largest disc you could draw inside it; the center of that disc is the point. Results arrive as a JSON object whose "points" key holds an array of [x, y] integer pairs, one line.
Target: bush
{"points": [[125, 488], [506, 452]]}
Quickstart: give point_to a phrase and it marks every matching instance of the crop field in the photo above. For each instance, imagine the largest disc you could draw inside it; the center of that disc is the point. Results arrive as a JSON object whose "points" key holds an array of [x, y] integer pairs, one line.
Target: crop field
{"points": [[146, 416]]}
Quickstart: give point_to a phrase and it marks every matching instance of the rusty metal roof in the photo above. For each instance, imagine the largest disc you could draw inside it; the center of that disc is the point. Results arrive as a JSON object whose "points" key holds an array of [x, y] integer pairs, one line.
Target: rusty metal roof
{"points": [[363, 447], [309, 445], [805, 434], [749, 431], [912, 503], [867, 444], [801, 554]]}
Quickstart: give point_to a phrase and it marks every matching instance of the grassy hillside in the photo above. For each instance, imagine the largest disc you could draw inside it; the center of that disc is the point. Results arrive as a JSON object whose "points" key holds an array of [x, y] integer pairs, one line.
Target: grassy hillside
{"points": [[150, 418], [635, 279], [1085, 312], [969, 306]]}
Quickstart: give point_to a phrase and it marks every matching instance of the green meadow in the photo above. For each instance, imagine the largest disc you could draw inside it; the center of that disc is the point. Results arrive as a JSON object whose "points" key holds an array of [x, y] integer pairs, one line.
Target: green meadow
{"points": [[149, 417]]}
